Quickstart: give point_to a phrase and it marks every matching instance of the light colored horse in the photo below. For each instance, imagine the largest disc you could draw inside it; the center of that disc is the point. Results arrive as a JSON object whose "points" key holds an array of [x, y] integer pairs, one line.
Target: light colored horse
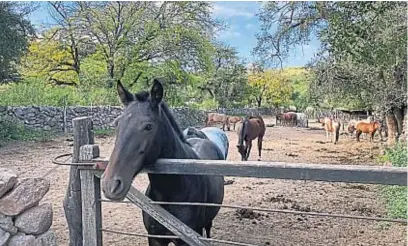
{"points": [[332, 128], [217, 118], [233, 120], [214, 134], [302, 119]]}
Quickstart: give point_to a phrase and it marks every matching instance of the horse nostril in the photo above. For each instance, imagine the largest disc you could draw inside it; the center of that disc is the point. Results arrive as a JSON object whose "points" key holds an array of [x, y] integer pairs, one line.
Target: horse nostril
{"points": [[116, 186]]}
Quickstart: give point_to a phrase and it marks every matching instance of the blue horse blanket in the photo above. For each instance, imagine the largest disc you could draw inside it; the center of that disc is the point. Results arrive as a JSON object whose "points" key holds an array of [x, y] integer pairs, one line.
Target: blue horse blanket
{"points": [[214, 134]]}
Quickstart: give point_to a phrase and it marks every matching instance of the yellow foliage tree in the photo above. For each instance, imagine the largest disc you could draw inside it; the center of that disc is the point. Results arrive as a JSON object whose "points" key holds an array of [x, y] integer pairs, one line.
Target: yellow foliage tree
{"points": [[49, 59], [270, 87]]}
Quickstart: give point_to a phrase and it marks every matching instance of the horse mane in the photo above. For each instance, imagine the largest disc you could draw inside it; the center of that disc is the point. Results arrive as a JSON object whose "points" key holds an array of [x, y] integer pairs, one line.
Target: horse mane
{"points": [[173, 121]]}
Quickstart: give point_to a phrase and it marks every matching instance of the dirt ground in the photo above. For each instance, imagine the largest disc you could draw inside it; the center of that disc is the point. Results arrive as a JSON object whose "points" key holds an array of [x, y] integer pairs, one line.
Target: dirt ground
{"points": [[284, 144]]}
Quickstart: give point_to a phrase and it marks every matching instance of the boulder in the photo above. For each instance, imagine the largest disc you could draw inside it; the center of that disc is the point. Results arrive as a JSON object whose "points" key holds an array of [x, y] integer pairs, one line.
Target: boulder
{"points": [[20, 239], [7, 181], [6, 224], [26, 194], [36, 220], [48, 238], [4, 236]]}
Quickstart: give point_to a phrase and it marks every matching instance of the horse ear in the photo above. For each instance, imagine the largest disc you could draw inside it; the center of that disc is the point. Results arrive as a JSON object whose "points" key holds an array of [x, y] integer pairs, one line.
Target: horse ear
{"points": [[125, 96], [156, 93]]}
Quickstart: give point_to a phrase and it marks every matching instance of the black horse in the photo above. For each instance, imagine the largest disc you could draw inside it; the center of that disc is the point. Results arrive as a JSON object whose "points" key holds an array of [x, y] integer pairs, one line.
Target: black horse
{"points": [[147, 131]]}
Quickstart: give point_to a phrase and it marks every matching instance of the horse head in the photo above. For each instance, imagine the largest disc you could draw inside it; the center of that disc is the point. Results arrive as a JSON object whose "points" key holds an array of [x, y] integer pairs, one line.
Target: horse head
{"points": [[138, 135]]}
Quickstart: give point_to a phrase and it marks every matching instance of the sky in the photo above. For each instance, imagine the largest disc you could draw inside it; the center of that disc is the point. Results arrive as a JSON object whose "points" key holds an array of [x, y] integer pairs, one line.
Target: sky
{"points": [[242, 24]]}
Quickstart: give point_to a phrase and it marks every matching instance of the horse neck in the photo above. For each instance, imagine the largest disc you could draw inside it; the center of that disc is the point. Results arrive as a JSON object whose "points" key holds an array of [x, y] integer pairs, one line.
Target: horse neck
{"points": [[173, 147]]}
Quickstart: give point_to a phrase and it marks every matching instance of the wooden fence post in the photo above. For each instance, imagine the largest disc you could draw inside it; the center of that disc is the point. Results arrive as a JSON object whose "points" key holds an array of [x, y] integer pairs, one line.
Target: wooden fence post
{"points": [[83, 135], [91, 208]]}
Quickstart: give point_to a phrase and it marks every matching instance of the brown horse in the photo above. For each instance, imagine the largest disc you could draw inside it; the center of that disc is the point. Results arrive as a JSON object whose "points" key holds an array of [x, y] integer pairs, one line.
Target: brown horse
{"points": [[217, 118], [332, 127], [233, 120], [279, 118], [290, 118], [251, 128], [370, 128]]}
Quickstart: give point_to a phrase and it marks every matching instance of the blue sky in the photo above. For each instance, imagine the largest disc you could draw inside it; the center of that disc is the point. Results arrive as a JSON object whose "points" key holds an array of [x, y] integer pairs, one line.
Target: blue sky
{"points": [[242, 27]]}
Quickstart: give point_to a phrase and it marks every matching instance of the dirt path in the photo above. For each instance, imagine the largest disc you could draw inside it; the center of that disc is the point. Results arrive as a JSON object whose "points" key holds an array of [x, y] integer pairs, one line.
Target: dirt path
{"points": [[281, 144]]}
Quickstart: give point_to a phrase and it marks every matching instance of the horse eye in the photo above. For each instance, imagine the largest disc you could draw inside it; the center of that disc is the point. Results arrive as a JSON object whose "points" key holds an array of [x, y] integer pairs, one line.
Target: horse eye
{"points": [[148, 127]]}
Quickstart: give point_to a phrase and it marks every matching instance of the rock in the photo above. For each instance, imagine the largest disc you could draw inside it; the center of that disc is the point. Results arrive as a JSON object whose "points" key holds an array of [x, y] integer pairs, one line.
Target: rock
{"points": [[7, 180], [26, 194], [35, 220], [4, 236], [6, 224], [48, 238], [20, 239]]}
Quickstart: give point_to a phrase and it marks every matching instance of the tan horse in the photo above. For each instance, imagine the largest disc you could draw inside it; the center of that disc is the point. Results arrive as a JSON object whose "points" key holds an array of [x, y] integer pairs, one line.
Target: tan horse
{"points": [[251, 128], [217, 118], [370, 128], [332, 128], [233, 120]]}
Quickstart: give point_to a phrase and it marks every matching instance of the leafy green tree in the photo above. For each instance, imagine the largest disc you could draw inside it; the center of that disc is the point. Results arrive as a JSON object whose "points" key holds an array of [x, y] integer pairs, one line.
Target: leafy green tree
{"points": [[15, 31], [363, 55]]}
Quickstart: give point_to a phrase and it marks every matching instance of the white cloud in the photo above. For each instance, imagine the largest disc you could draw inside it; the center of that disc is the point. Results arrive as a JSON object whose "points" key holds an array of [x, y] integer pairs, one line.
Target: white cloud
{"points": [[249, 26], [234, 9], [226, 34]]}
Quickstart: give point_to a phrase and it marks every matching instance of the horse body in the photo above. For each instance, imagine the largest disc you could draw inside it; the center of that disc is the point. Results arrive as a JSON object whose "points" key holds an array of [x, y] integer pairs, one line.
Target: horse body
{"points": [[217, 118], [146, 132], [279, 118], [290, 118], [302, 119], [331, 127], [214, 134], [370, 128], [233, 120], [251, 128]]}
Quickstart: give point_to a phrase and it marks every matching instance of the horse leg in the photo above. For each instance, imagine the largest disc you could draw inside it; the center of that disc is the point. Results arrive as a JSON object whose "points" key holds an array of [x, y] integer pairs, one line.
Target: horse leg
{"points": [[259, 147], [249, 144], [158, 242], [208, 230], [358, 133]]}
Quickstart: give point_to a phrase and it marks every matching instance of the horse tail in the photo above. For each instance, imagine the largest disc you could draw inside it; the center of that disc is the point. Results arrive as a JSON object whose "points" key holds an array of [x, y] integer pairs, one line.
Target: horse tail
{"points": [[337, 131], [243, 131]]}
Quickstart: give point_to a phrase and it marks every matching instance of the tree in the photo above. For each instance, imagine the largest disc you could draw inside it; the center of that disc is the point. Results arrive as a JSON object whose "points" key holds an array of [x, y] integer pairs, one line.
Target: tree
{"points": [[14, 31], [137, 32], [226, 80], [49, 59], [270, 86], [363, 54]]}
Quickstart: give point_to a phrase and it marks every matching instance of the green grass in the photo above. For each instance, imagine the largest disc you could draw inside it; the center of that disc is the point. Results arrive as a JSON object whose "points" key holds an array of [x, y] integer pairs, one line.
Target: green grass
{"points": [[12, 130], [396, 196], [104, 132]]}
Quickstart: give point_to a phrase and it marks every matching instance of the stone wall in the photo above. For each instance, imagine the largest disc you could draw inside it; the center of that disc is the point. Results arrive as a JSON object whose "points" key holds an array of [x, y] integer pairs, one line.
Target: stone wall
{"points": [[23, 221], [59, 119]]}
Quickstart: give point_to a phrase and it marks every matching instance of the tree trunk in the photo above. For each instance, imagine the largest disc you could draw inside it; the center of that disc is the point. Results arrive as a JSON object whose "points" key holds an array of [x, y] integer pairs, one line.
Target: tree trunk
{"points": [[398, 112], [392, 128], [258, 102], [111, 74]]}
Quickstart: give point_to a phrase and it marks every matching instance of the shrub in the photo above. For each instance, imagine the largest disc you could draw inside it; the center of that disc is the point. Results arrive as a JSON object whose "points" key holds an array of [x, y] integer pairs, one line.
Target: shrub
{"points": [[396, 196], [10, 129]]}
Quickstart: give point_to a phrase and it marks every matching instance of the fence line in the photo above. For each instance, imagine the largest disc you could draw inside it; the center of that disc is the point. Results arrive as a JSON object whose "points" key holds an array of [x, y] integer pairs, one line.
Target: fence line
{"points": [[83, 200], [270, 210]]}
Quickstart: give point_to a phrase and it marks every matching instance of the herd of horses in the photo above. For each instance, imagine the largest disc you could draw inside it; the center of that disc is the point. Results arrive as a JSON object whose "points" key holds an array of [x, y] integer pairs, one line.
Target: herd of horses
{"points": [[368, 126], [147, 131]]}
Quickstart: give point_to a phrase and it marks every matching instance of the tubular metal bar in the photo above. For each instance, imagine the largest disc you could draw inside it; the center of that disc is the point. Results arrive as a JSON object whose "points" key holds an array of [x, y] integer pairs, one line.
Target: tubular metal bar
{"points": [[175, 237], [55, 161], [271, 210]]}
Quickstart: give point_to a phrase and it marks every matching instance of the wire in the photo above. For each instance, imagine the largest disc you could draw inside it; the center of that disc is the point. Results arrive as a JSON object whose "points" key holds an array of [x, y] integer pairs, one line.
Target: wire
{"points": [[269, 210], [175, 237]]}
